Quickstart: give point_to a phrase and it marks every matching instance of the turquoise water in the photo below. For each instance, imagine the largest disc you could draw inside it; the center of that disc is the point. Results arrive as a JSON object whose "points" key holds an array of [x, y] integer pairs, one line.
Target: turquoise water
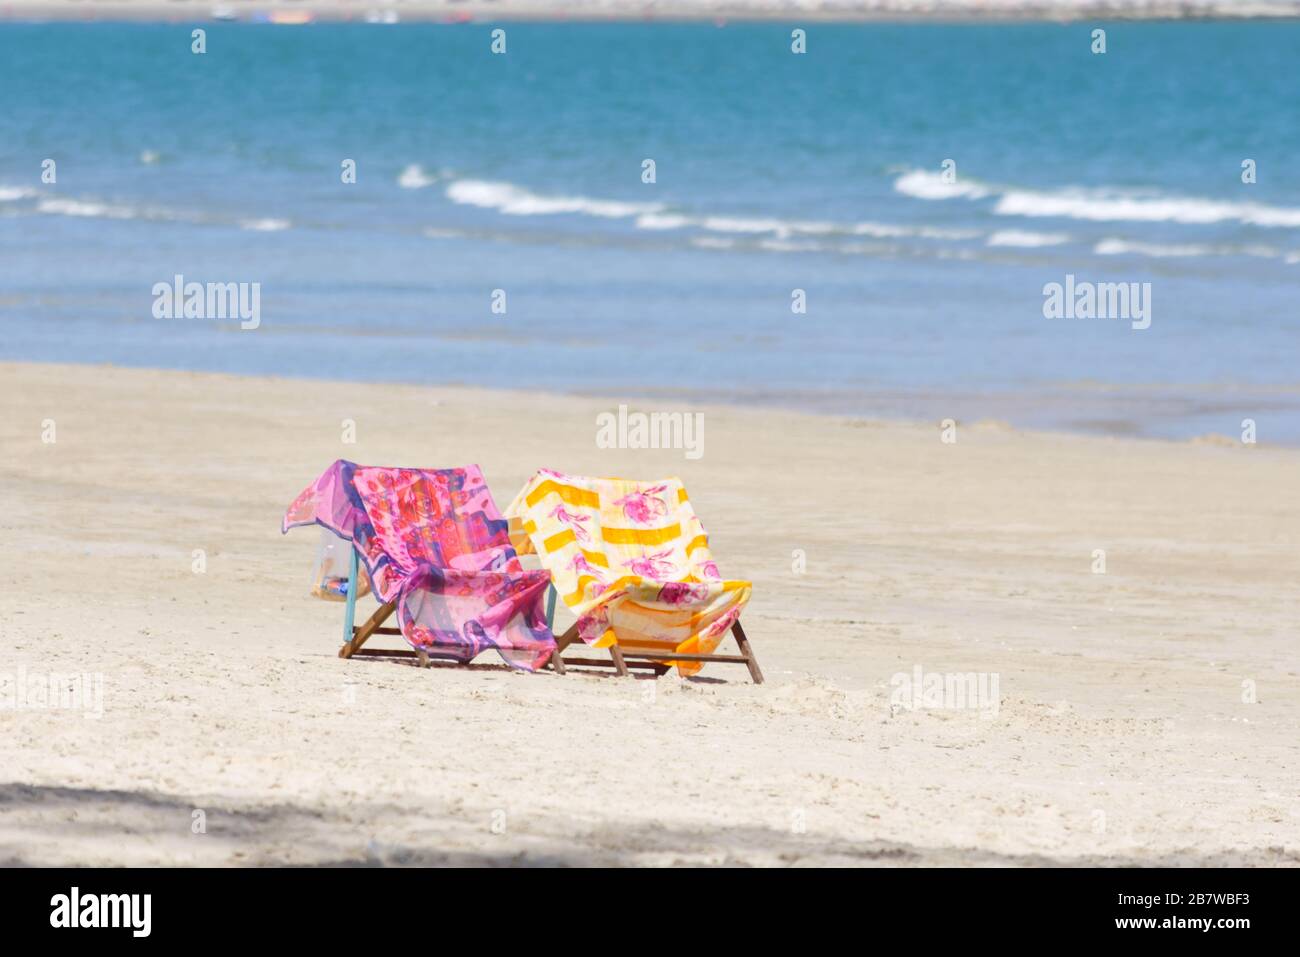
{"points": [[774, 172]]}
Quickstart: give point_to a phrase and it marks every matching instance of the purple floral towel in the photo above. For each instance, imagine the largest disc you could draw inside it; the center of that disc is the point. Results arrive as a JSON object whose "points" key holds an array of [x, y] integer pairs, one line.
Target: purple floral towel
{"points": [[433, 541]]}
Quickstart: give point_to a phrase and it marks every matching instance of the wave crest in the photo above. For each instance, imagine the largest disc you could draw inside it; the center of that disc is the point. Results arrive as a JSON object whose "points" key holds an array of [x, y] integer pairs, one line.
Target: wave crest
{"points": [[1098, 205]]}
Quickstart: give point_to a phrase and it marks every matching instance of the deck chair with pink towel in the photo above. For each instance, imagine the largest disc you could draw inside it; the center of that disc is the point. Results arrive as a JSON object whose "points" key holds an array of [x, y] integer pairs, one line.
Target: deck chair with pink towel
{"points": [[437, 552]]}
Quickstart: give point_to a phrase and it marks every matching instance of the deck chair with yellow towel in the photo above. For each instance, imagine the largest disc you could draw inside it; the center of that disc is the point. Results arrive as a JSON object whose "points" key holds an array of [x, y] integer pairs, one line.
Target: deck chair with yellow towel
{"points": [[631, 560]]}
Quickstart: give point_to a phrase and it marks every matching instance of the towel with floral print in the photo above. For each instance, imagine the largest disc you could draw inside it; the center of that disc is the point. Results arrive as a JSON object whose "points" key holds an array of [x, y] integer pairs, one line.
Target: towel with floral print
{"points": [[433, 541], [631, 560]]}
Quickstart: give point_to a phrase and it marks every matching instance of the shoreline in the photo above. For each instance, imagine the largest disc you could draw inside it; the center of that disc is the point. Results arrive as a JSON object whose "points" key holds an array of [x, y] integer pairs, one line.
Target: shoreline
{"points": [[1001, 410], [286, 12]]}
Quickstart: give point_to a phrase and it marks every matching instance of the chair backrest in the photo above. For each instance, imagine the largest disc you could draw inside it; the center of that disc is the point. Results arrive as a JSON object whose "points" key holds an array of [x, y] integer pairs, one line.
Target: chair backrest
{"points": [[330, 502], [403, 519], [592, 533], [444, 518]]}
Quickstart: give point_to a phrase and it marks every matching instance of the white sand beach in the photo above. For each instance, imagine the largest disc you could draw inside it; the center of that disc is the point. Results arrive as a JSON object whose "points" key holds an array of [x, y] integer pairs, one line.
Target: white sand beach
{"points": [[1146, 715]]}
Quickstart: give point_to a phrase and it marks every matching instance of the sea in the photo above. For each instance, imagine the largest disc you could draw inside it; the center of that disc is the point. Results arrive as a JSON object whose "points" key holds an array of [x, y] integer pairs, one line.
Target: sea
{"points": [[865, 220]]}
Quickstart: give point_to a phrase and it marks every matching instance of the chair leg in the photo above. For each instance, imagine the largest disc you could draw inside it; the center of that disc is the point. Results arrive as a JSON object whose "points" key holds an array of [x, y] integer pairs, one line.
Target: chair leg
{"points": [[620, 666], [350, 612], [550, 605], [747, 652], [360, 635], [566, 639]]}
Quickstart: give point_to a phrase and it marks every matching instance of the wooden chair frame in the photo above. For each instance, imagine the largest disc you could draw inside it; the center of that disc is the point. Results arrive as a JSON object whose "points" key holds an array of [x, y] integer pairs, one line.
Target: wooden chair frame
{"points": [[655, 661], [355, 636]]}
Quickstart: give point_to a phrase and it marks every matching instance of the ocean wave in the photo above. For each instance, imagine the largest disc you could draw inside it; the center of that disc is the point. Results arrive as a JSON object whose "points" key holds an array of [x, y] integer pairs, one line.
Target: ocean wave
{"points": [[415, 177], [1112, 206], [662, 221], [1098, 205], [88, 208], [790, 246], [1025, 240], [880, 230], [741, 224], [264, 225], [1114, 246], [712, 242], [834, 247], [82, 207], [925, 184], [512, 200], [11, 194], [786, 228], [775, 234], [891, 231]]}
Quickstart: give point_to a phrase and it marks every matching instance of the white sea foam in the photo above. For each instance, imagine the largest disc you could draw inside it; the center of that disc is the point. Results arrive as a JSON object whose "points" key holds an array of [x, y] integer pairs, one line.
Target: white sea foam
{"points": [[712, 242], [926, 184], [790, 246], [149, 157], [415, 177], [264, 225], [787, 228], [1126, 247], [1026, 240], [890, 231], [784, 228], [514, 200], [879, 230], [1114, 246], [87, 208], [10, 194], [97, 209], [741, 224], [1113, 206], [776, 234], [812, 227], [1098, 205], [663, 221], [870, 249]]}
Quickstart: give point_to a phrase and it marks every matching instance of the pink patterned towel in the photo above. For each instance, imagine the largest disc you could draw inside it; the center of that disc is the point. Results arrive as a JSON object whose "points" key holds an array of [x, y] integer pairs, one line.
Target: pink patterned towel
{"points": [[433, 541]]}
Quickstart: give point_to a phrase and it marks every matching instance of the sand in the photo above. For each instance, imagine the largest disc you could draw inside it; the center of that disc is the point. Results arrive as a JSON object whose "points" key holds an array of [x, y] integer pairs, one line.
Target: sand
{"points": [[1149, 714]]}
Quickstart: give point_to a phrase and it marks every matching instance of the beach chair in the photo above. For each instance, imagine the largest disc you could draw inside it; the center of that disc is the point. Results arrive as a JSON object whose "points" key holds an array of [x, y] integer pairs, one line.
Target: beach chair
{"points": [[437, 554], [631, 560]]}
